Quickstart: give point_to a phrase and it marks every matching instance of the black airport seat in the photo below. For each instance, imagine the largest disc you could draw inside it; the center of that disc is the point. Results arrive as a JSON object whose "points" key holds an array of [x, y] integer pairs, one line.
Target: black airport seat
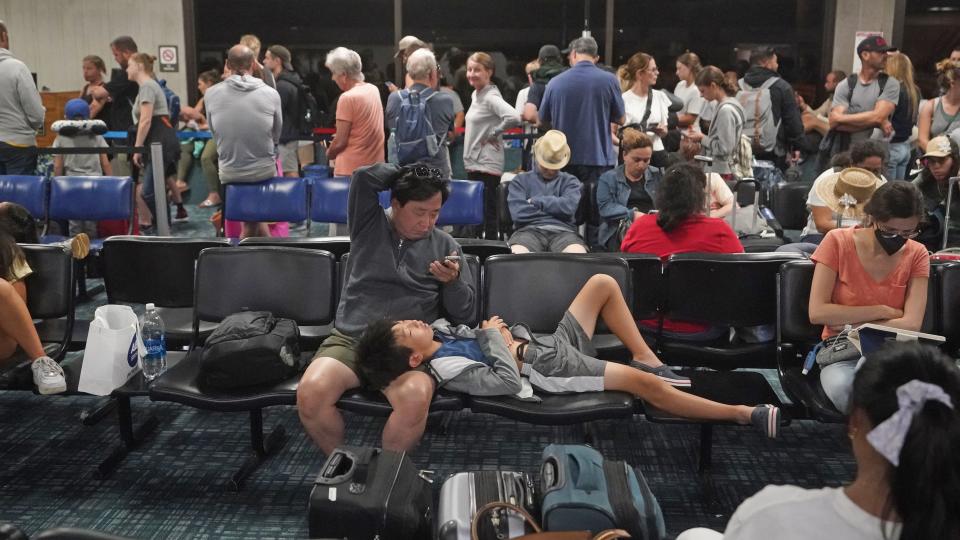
{"points": [[950, 305], [338, 245], [722, 289], [795, 337], [49, 299], [158, 270], [291, 283], [557, 409], [789, 205]]}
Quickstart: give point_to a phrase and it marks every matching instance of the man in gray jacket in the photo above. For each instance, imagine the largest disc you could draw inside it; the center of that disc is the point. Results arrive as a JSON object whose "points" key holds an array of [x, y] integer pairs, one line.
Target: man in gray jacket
{"points": [[245, 117], [401, 266], [496, 360], [21, 112]]}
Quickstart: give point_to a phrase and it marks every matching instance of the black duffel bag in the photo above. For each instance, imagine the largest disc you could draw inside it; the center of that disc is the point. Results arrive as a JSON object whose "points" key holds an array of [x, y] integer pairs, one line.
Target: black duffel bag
{"points": [[248, 349]]}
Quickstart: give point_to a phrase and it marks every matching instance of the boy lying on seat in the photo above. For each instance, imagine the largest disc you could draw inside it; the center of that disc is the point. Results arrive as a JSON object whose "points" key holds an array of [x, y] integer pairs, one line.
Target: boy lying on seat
{"points": [[496, 359]]}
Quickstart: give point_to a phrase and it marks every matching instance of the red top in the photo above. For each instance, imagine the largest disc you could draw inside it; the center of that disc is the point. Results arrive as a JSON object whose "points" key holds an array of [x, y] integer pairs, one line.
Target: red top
{"points": [[698, 234]]}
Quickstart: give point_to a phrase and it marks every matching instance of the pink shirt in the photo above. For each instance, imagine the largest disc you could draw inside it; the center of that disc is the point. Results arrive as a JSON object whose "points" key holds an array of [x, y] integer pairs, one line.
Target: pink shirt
{"points": [[362, 108], [854, 286]]}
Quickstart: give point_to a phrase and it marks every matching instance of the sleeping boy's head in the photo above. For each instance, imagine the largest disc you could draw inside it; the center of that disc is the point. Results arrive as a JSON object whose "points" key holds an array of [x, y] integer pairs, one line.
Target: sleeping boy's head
{"points": [[389, 348]]}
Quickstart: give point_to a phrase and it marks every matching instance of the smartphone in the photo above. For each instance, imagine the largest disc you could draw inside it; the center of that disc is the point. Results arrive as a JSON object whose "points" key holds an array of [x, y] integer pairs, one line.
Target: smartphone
{"points": [[452, 258], [652, 126], [704, 159], [388, 84]]}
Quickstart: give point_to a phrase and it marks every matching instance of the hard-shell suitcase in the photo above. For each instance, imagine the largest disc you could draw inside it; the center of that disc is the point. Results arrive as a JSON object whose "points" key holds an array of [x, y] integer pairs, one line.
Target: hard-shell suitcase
{"points": [[463, 493], [581, 490], [369, 493]]}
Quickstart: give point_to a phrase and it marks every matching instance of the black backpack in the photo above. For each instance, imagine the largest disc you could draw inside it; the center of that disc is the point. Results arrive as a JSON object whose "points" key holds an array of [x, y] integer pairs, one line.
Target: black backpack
{"points": [[248, 349], [308, 112]]}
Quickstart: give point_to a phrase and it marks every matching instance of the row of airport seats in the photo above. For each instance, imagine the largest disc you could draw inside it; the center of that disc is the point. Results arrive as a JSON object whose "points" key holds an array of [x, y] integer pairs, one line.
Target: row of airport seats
{"points": [[303, 284], [324, 200]]}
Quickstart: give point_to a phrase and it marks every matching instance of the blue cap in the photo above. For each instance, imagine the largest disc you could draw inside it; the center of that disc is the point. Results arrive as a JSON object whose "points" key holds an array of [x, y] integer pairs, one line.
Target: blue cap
{"points": [[76, 107]]}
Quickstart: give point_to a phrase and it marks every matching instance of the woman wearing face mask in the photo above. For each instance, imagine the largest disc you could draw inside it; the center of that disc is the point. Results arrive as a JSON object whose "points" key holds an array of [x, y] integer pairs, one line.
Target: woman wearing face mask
{"points": [[874, 273], [941, 162]]}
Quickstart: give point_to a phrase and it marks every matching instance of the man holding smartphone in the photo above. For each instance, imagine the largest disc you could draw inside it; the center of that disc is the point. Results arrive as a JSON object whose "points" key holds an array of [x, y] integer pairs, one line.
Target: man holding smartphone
{"points": [[401, 267]]}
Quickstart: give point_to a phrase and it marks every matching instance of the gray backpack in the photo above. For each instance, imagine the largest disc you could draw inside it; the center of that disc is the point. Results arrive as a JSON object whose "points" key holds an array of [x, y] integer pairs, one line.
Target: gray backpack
{"points": [[759, 125]]}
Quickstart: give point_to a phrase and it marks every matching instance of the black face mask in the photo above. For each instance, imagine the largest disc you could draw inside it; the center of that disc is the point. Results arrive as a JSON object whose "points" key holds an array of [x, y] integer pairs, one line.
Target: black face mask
{"points": [[890, 245]]}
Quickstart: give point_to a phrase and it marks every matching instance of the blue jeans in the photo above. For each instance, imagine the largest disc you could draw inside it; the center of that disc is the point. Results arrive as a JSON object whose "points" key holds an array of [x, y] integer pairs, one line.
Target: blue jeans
{"points": [[837, 382], [899, 161], [18, 160]]}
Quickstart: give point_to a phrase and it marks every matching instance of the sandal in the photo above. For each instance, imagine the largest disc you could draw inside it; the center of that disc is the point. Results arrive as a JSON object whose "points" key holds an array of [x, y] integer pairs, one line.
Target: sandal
{"points": [[207, 203], [80, 246]]}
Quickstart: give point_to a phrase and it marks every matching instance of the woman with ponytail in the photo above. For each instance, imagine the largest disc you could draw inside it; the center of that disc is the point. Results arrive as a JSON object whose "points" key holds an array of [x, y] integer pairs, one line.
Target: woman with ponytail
{"points": [[722, 143], [905, 433], [646, 109], [688, 67]]}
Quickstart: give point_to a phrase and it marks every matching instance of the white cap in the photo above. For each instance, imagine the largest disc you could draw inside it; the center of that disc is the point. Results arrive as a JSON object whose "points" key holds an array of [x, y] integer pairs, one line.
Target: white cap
{"points": [[151, 307]]}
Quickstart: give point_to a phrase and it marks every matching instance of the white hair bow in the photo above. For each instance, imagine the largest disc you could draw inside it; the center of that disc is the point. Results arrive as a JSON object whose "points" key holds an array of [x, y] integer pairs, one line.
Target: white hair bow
{"points": [[888, 436]]}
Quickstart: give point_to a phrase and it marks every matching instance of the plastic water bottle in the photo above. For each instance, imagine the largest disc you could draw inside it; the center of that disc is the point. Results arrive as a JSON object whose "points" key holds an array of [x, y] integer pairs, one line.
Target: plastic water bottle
{"points": [[154, 342]]}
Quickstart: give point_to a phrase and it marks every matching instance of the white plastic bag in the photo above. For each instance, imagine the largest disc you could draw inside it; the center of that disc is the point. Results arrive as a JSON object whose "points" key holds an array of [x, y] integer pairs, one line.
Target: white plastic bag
{"points": [[113, 352]]}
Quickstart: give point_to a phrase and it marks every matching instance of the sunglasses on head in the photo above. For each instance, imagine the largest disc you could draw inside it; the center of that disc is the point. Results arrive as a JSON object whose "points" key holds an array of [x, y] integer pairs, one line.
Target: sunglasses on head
{"points": [[426, 172]]}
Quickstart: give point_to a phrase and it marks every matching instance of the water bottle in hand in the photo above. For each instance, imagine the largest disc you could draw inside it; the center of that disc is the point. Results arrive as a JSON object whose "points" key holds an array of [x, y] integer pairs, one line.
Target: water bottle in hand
{"points": [[154, 343]]}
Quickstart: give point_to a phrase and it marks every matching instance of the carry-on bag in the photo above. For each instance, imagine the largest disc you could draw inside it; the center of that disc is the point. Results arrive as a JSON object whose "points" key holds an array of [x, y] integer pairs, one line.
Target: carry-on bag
{"points": [[369, 493], [747, 211], [463, 493], [538, 533], [582, 490], [250, 348]]}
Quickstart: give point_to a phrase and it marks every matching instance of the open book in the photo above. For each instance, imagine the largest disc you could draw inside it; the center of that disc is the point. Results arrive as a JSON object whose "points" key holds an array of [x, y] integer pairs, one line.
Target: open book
{"points": [[870, 337]]}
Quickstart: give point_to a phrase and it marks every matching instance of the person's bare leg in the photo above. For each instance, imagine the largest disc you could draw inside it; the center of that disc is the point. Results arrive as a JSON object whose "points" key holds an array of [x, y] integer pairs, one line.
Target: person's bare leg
{"points": [[144, 215], [601, 297], [175, 195], [410, 395], [517, 248], [575, 248], [658, 393], [16, 325], [325, 380], [252, 229]]}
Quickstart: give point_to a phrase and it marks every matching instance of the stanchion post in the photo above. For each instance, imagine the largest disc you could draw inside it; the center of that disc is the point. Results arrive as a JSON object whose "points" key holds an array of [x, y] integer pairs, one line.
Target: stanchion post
{"points": [[159, 189]]}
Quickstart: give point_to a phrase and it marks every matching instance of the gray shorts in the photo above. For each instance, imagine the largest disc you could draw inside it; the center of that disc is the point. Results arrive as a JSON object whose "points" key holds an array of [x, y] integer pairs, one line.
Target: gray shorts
{"points": [[539, 240], [564, 361], [289, 161]]}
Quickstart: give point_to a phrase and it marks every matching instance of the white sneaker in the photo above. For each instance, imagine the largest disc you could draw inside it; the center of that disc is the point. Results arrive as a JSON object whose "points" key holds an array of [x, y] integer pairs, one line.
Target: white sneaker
{"points": [[48, 376]]}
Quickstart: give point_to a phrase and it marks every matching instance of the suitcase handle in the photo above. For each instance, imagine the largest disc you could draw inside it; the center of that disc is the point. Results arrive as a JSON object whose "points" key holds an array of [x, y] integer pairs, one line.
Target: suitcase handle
{"points": [[343, 465], [582, 474]]}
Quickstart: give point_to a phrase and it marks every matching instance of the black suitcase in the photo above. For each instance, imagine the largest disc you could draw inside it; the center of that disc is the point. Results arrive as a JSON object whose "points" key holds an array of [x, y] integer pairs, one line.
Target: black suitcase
{"points": [[369, 493]]}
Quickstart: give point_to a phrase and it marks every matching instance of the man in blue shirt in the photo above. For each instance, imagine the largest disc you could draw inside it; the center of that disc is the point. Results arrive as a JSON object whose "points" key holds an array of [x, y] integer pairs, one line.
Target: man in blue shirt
{"points": [[582, 102]]}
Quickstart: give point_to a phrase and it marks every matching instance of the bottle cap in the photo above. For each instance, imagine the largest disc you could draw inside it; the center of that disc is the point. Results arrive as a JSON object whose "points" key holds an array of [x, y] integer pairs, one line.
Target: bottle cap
{"points": [[151, 307]]}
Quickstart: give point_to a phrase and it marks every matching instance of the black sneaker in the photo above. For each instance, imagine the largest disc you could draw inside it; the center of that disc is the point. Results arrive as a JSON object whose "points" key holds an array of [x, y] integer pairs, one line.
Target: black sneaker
{"points": [[766, 418], [664, 373], [181, 216]]}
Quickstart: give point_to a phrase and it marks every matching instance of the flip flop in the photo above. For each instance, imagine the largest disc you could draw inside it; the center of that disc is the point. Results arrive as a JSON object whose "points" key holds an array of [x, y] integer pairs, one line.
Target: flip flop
{"points": [[207, 203]]}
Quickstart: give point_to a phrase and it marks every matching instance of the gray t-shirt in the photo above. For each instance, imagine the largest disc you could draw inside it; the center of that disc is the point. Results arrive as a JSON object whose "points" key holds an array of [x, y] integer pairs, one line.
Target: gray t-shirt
{"points": [[81, 164], [150, 92], [865, 97], [457, 104]]}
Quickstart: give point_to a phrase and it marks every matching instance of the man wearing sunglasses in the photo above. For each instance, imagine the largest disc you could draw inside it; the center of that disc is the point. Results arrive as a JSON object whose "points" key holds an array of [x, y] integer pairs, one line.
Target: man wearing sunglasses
{"points": [[401, 267]]}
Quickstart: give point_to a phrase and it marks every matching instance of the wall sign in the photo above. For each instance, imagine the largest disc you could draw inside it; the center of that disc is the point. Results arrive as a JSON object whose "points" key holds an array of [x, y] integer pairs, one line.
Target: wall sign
{"points": [[169, 58]]}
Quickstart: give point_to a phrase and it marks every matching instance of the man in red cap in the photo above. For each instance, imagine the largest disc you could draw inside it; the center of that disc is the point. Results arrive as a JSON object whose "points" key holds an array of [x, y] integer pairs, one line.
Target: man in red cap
{"points": [[871, 100]]}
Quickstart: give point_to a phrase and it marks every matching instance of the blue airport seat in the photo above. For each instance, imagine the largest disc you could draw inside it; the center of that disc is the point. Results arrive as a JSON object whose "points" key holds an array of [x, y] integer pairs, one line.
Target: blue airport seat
{"points": [[328, 199], [465, 204], [92, 198], [277, 199], [27, 191]]}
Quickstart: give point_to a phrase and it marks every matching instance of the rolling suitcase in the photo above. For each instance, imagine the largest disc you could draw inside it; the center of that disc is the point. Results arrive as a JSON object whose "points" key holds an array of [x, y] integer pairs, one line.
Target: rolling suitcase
{"points": [[582, 490], [945, 253], [369, 493], [752, 240], [463, 493]]}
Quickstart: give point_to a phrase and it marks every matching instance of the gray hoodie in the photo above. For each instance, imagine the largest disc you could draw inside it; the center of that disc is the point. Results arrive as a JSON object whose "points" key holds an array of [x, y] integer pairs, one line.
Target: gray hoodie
{"points": [[389, 276], [21, 111], [245, 118]]}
